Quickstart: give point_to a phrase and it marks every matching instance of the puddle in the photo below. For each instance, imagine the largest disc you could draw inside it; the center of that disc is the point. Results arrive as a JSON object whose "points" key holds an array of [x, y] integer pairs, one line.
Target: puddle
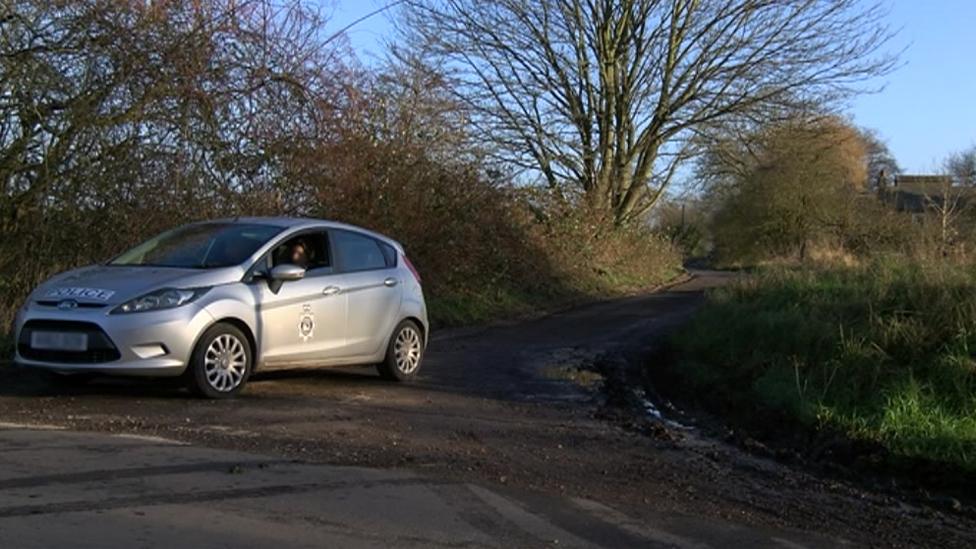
{"points": [[653, 412]]}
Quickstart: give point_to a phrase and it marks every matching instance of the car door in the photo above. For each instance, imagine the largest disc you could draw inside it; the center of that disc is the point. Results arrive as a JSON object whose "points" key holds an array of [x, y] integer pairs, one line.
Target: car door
{"points": [[372, 288], [303, 322]]}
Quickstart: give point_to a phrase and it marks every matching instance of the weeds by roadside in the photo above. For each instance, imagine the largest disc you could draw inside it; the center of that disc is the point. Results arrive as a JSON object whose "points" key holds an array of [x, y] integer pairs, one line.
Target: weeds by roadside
{"points": [[882, 352]]}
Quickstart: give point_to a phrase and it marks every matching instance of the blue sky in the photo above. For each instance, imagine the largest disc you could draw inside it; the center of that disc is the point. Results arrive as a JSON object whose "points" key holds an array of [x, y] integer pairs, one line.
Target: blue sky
{"points": [[926, 110]]}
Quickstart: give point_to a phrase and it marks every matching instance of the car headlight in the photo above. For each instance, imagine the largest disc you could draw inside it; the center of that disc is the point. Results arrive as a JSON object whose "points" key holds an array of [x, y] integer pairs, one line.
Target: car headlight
{"points": [[167, 298]]}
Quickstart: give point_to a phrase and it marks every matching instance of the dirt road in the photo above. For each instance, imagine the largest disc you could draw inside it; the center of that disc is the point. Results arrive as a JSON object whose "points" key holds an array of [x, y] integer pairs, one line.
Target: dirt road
{"points": [[508, 409]]}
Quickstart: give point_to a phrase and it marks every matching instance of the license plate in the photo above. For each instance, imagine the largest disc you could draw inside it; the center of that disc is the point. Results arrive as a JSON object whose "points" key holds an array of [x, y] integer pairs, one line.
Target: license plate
{"points": [[59, 341]]}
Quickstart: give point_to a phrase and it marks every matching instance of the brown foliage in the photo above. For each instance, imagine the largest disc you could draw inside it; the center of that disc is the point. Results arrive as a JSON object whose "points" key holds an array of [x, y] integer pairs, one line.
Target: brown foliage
{"points": [[472, 237], [787, 186], [117, 122]]}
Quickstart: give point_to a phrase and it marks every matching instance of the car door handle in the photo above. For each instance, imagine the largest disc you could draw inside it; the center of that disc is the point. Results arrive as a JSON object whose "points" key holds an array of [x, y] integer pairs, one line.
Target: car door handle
{"points": [[390, 282], [331, 290]]}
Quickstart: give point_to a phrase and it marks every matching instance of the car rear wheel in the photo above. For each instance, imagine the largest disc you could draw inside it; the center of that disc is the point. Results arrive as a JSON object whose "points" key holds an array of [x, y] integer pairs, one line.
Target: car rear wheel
{"points": [[404, 353], [221, 362]]}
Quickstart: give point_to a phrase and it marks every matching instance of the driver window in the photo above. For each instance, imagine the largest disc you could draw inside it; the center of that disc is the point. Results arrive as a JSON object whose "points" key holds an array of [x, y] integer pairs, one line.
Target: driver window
{"points": [[308, 250]]}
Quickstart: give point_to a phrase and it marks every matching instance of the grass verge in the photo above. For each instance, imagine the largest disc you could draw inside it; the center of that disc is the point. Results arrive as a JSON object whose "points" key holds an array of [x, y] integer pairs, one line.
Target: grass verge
{"points": [[883, 353], [464, 308]]}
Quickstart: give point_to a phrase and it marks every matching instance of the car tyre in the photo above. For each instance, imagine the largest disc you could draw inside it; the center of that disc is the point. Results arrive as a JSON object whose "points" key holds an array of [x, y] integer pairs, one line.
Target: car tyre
{"points": [[221, 362], [404, 353]]}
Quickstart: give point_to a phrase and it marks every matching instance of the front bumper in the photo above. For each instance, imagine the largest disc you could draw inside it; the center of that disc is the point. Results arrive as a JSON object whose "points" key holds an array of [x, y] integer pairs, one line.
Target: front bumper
{"points": [[156, 344]]}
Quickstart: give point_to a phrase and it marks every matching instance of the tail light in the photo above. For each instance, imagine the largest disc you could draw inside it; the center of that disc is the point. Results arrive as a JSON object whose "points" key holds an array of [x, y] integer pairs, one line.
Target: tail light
{"points": [[410, 266]]}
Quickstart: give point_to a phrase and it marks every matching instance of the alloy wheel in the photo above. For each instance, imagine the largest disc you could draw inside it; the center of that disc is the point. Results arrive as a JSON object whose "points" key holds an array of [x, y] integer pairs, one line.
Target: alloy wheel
{"points": [[407, 349], [225, 363]]}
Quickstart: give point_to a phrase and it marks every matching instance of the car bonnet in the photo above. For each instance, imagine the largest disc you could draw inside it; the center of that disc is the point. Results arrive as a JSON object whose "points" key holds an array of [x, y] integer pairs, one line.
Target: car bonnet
{"points": [[116, 284]]}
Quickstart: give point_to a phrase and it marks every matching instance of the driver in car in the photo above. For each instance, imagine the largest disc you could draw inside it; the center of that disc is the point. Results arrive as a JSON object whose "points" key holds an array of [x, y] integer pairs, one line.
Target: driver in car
{"points": [[298, 254]]}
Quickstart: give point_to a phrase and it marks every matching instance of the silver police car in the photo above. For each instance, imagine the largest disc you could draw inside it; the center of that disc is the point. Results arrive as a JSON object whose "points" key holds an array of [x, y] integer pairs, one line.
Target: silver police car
{"points": [[217, 300]]}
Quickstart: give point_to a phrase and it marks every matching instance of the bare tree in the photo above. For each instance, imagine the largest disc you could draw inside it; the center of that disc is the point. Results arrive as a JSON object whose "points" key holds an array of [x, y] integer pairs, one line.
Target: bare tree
{"points": [[103, 102], [882, 164], [953, 200], [947, 205], [961, 167], [120, 118], [601, 98]]}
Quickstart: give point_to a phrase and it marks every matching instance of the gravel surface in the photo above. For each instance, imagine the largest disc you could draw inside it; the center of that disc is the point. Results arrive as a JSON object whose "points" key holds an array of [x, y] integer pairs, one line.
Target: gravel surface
{"points": [[515, 406]]}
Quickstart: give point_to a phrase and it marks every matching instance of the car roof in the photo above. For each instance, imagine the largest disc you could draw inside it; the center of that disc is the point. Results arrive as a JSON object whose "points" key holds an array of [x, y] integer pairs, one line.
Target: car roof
{"points": [[303, 222]]}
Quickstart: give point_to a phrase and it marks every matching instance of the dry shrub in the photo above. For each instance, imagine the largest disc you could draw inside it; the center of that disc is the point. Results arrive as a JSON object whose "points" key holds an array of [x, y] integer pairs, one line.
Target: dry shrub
{"points": [[130, 142], [598, 259], [830, 254], [484, 249]]}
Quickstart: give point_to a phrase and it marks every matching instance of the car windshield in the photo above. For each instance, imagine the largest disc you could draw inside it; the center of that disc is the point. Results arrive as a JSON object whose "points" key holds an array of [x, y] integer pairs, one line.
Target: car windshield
{"points": [[200, 246]]}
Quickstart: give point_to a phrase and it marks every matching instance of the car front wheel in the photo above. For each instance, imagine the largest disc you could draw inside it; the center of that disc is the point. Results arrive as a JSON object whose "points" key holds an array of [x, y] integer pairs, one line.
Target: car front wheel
{"points": [[404, 352], [221, 362]]}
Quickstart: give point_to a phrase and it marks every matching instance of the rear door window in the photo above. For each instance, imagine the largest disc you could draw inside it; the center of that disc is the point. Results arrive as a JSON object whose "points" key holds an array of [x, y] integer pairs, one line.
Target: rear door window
{"points": [[389, 254], [358, 252]]}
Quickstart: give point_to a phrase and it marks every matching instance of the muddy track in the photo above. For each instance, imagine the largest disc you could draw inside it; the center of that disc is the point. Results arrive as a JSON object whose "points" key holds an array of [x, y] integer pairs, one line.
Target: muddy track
{"points": [[516, 407]]}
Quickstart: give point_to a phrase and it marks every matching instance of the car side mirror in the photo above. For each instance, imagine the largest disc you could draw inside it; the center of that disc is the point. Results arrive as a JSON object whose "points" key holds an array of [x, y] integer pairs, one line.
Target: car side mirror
{"points": [[287, 272], [284, 273]]}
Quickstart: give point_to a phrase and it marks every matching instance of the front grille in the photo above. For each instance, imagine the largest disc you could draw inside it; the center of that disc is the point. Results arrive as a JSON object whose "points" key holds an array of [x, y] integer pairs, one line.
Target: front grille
{"points": [[52, 303], [100, 347]]}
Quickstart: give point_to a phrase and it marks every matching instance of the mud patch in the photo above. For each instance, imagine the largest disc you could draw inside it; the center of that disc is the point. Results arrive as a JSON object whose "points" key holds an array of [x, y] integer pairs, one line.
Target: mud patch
{"points": [[627, 399], [585, 378], [573, 365]]}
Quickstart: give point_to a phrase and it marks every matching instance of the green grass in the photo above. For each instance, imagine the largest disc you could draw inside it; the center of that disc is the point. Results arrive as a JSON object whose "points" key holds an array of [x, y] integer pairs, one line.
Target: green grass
{"points": [[495, 299], [494, 302], [461, 308], [882, 352]]}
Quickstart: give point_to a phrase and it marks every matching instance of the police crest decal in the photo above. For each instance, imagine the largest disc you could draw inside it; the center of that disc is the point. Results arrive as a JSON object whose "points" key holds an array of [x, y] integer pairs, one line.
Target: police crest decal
{"points": [[306, 323]]}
